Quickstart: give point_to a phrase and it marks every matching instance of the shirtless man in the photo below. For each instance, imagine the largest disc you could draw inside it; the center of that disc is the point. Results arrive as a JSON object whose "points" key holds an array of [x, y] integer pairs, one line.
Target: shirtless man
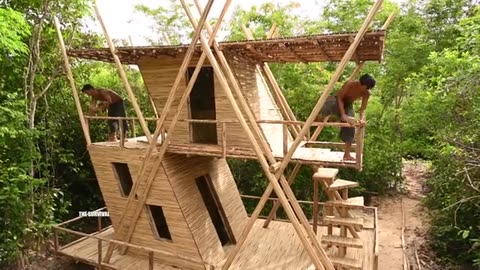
{"points": [[341, 106], [114, 103]]}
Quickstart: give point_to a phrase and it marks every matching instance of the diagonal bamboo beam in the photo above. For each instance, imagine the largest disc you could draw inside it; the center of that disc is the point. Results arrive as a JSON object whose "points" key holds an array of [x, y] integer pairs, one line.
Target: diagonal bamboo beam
{"points": [[341, 67], [292, 177], [76, 98], [297, 211], [124, 78], [160, 122], [276, 91], [163, 148]]}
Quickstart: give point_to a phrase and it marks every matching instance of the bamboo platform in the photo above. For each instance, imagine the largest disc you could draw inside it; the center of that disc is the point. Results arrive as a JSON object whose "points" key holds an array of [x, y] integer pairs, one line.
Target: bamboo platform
{"points": [[304, 155], [276, 247]]}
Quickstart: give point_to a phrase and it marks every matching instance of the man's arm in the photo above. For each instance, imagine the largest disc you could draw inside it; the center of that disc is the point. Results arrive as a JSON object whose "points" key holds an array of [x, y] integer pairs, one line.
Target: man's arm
{"points": [[363, 107], [340, 99]]}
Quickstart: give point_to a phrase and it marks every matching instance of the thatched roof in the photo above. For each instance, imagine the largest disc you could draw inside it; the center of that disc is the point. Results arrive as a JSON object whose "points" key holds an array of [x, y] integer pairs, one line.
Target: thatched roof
{"points": [[315, 48]]}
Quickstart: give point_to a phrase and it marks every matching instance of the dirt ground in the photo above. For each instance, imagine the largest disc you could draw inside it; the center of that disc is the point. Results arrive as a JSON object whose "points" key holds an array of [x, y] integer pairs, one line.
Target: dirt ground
{"points": [[391, 211]]}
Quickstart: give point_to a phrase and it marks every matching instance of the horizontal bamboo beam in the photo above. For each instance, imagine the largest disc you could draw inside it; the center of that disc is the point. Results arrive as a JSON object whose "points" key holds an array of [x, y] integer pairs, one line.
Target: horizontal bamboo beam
{"points": [[125, 244]]}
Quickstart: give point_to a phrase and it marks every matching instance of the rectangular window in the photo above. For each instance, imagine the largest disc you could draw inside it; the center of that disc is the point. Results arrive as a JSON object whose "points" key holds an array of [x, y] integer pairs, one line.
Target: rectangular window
{"points": [[160, 227], [215, 210], [122, 173]]}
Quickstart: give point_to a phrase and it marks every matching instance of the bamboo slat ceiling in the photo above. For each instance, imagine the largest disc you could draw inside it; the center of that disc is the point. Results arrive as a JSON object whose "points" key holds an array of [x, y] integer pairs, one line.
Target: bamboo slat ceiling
{"points": [[316, 48]]}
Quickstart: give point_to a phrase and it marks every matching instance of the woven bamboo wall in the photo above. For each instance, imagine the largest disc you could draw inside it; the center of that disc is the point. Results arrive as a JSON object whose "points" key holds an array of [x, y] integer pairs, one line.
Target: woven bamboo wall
{"points": [[159, 75], [182, 173], [161, 194], [174, 188]]}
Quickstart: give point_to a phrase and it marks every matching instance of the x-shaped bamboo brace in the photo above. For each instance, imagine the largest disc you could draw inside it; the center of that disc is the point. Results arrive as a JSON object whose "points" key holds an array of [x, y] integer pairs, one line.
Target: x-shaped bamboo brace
{"points": [[159, 156], [316, 252]]}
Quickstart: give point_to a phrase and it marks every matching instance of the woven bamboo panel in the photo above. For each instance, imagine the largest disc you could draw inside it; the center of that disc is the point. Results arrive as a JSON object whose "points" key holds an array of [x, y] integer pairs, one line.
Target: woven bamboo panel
{"points": [[161, 194], [182, 173], [315, 48], [159, 76]]}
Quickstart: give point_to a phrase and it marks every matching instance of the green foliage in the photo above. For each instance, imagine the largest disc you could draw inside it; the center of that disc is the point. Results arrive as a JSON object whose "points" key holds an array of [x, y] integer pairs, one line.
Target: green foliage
{"points": [[13, 28], [171, 24], [443, 107], [260, 20]]}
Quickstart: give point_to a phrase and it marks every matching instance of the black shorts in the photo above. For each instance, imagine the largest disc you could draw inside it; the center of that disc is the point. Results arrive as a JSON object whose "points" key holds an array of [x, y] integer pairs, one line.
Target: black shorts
{"points": [[347, 134], [117, 109]]}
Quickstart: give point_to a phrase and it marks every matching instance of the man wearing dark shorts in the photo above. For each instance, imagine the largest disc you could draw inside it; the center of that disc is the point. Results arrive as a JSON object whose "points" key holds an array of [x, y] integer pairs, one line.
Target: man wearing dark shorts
{"points": [[111, 100], [341, 106]]}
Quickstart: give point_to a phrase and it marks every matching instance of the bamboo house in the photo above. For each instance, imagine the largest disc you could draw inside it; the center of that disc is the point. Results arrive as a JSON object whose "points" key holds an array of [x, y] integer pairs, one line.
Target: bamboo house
{"points": [[171, 196]]}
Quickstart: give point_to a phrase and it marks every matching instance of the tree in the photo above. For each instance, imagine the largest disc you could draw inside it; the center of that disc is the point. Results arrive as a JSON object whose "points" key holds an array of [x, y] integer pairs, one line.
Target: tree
{"points": [[171, 24]]}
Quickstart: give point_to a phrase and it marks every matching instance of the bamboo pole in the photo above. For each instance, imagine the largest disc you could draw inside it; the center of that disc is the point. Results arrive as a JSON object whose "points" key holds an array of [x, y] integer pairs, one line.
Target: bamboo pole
{"points": [[273, 182], [76, 98], [276, 91], [159, 128], [123, 76], [164, 146], [389, 20], [356, 71], [341, 67]]}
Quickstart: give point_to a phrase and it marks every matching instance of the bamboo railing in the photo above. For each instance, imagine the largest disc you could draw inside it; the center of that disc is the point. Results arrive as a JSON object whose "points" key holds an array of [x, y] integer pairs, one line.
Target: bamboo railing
{"points": [[222, 124]]}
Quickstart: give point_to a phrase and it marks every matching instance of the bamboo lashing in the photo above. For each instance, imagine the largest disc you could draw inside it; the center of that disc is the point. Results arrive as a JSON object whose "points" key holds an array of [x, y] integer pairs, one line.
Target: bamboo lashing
{"points": [[264, 163], [123, 76], [76, 98]]}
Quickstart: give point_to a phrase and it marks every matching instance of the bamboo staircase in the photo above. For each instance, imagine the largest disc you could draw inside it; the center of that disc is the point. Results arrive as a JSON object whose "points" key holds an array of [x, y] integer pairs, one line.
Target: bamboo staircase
{"points": [[336, 213]]}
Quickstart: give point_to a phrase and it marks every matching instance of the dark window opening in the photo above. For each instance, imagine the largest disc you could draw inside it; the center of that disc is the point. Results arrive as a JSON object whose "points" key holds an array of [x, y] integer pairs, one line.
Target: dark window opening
{"points": [[215, 210], [161, 228], [202, 106], [122, 173]]}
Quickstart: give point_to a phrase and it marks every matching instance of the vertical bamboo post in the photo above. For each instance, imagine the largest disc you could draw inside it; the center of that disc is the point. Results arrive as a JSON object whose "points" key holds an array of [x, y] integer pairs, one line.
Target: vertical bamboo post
{"points": [[122, 136], [315, 205], [123, 76], [224, 139], [273, 181], [150, 260], [99, 247], [83, 122], [134, 129], [285, 139], [163, 148], [55, 239], [341, 67], [99, 223]]}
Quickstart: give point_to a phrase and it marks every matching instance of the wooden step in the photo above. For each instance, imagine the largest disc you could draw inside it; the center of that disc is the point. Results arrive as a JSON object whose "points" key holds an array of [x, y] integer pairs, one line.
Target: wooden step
{"points": [[342, 241], [343, 221], [354, 202], [325, 173], [342, 184], [346, 262]]}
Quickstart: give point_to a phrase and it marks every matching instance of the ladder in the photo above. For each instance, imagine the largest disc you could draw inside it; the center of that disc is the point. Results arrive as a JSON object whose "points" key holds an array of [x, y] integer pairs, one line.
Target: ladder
{"points": [[336, 213]]}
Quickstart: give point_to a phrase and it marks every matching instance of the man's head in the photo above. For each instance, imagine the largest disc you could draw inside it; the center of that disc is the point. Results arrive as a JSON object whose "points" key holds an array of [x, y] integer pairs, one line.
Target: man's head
{"points": [[88, 89], [368, 81]]}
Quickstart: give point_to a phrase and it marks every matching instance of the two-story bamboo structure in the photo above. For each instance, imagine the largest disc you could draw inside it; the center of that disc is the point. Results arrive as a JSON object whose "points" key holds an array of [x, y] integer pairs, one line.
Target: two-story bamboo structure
{"points": [[171, 197]]}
